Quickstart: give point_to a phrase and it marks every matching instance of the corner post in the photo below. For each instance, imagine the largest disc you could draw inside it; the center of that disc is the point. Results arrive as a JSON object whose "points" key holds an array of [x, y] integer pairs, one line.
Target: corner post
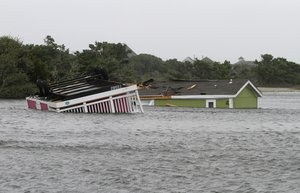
{"points": [[112, 104], [139, 101], [231, 103], [85, 107]]}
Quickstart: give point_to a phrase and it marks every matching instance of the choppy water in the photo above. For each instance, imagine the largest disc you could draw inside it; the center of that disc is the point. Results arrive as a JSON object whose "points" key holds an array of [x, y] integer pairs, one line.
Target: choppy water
{"points": [[163, 150]]}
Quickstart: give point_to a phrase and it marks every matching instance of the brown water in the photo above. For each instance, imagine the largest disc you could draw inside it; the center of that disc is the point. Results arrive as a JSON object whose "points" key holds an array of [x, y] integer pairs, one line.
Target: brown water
{"points": [[163, 150]]}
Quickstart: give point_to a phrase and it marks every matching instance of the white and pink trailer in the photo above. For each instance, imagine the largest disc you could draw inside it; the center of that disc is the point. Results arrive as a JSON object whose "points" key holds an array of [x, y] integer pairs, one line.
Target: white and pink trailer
{"points": [[89, 98]]}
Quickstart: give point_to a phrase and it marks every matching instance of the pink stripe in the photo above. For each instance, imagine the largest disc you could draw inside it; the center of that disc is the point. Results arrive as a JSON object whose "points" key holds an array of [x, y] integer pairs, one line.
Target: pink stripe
{"points": [[44, 106], [92, 109], [120, 106], [116, 106], [97, 108], [100, 105], [108, 106], [31, 104], [126, 105], [105, 107], [123, 105]]}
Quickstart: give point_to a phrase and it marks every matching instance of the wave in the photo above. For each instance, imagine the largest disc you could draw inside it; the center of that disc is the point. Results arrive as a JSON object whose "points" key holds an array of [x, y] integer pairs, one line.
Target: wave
{"points": [[21, 144]]}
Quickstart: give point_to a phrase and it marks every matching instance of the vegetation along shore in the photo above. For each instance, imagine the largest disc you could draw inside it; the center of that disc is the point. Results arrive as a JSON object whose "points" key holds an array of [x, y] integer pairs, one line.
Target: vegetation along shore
{"points": [[22, 64]]}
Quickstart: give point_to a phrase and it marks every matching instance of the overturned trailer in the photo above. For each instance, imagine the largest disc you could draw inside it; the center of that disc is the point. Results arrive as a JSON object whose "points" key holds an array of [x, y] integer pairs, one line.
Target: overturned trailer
{"points": [[86, 94]]}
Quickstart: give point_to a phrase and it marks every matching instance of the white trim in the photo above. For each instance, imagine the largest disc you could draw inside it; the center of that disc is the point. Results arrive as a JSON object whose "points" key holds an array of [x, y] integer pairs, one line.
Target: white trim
{"points": [[202, 96], [92, 97], [219, 96], [112, 106], [105, 99], [230, 103], [250, 83], [147, 102], [139, 101], [38, 105], [210, 101], [85, 107]]}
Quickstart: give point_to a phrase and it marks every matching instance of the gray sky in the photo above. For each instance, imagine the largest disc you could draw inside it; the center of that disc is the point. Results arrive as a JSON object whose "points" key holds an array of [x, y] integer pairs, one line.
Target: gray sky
{"points": [[219, 29]]}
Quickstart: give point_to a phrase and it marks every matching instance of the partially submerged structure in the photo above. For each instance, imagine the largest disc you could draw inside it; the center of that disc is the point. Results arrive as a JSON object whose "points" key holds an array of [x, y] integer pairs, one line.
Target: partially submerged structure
{"points": [[201, 94], [86, 94]]}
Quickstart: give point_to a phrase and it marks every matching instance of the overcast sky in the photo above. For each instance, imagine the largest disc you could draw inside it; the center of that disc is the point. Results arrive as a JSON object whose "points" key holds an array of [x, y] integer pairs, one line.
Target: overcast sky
{"points": [[218, 29]]}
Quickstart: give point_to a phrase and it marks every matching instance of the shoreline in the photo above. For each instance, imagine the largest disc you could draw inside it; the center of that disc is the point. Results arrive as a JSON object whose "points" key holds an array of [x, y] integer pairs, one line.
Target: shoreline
{"points": [[262, 89], [278, 89]]}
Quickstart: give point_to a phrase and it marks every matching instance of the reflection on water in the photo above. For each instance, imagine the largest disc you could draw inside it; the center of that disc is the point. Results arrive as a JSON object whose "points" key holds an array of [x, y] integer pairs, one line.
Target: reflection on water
{"points": [[163, 150]]}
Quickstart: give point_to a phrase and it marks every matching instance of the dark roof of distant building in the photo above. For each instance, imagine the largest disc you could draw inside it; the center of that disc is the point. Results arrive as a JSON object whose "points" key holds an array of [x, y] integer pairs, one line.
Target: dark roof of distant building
{"points": [[242, 61], [204, 59], [208, 87], [189, 59], [207, 59]]}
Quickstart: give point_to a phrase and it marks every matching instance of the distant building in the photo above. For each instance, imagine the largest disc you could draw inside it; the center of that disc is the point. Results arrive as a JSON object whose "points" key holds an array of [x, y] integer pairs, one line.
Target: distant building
{"points": [[202, 94], [242, 66], [189, 59], [242, 61], [207, 59]]}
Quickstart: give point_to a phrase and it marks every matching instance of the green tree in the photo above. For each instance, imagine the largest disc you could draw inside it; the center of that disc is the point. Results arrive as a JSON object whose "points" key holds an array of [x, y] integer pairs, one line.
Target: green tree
{"points": [[223, 70], [14, 82], [108, 56], [147, 66], [202, 69], [272, 70], [179, 70], [49, 62]]}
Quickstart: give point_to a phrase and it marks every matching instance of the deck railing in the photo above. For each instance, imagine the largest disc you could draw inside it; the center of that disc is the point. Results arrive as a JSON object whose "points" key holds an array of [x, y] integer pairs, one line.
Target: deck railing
{"points": [[127, 103], [120, 100]]}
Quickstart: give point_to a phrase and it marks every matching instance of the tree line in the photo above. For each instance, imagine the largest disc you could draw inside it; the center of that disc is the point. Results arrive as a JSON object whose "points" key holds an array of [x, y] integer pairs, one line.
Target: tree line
{"points": [[22, 64]]}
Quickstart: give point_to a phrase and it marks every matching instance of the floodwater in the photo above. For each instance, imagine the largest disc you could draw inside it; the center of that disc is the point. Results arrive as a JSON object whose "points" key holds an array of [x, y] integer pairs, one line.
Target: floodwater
{"points": [[163, 150]]}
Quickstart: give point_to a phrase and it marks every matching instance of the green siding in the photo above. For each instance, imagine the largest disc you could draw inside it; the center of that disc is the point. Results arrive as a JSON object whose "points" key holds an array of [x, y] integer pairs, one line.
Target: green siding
{"points": [[223, 103], [180, 102], [246, 99]]}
